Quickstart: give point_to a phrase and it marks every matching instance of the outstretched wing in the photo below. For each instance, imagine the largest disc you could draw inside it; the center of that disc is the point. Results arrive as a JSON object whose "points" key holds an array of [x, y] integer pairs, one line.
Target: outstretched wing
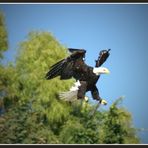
{"points": [[64, 68], [103, 55], [72, 50]]}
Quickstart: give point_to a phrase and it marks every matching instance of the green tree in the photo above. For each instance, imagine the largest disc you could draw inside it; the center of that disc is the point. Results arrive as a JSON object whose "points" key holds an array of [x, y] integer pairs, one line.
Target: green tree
{"points": [[4, 71], [3, 35], [36, 55], [35, 97], [35, 114], [117, 126], [113, 126]]}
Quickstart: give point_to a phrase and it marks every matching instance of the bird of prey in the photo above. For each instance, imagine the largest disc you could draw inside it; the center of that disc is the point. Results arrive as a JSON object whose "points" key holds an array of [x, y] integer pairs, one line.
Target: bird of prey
{"points": [[86, 77]]}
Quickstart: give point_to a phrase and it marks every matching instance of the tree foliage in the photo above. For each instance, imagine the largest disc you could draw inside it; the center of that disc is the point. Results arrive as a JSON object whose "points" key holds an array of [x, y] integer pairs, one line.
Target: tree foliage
{"points": [[117, 126], [31, 111], [3, 35]]}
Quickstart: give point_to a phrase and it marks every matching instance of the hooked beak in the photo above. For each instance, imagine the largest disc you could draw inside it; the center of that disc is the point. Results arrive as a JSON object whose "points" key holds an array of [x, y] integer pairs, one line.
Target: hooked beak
{"points": [[107, 72]]}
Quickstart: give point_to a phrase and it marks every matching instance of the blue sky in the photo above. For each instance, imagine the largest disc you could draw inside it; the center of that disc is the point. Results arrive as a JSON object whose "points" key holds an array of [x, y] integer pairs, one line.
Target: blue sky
{"points": [[121, 27]]}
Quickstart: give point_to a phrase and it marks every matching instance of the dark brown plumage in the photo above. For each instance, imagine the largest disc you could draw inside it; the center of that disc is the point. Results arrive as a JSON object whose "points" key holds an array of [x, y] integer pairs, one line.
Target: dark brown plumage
{"points": [[75, 66]]}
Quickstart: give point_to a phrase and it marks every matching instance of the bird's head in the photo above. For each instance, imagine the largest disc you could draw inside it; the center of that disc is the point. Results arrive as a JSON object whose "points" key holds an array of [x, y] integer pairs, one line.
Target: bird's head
{"points": [[100, 70]]}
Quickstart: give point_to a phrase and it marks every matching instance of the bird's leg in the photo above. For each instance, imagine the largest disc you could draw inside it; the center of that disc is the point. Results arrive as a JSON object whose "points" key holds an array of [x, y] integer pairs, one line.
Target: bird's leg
{"points": [[96, 96], [81, 92]]}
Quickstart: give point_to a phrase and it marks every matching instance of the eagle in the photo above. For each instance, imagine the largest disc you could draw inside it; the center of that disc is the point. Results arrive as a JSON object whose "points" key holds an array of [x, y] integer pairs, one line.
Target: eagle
{"points": [[86, 76]]}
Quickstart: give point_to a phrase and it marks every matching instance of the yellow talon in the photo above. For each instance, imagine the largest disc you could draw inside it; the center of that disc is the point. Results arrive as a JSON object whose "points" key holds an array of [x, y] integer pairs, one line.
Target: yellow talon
{"points": [[86, 98], [104, 102]]}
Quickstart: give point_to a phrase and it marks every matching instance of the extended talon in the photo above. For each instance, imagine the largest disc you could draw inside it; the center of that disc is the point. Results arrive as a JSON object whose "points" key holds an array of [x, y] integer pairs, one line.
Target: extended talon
{"points": [[103, 102], [86, 99]]}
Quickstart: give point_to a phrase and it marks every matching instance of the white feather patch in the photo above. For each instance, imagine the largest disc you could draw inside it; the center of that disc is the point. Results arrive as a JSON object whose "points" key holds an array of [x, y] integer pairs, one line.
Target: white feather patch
{"points": [[70, 95], [96, 71]]}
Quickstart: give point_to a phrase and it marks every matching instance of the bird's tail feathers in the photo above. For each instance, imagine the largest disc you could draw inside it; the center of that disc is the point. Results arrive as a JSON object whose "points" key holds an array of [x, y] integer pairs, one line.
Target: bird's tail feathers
{"points": [[69, 96]]}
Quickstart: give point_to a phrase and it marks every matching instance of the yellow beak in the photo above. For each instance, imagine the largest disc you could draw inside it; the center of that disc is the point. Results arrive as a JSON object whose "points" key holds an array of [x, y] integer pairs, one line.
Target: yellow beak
{"points": [[107, 72]]}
